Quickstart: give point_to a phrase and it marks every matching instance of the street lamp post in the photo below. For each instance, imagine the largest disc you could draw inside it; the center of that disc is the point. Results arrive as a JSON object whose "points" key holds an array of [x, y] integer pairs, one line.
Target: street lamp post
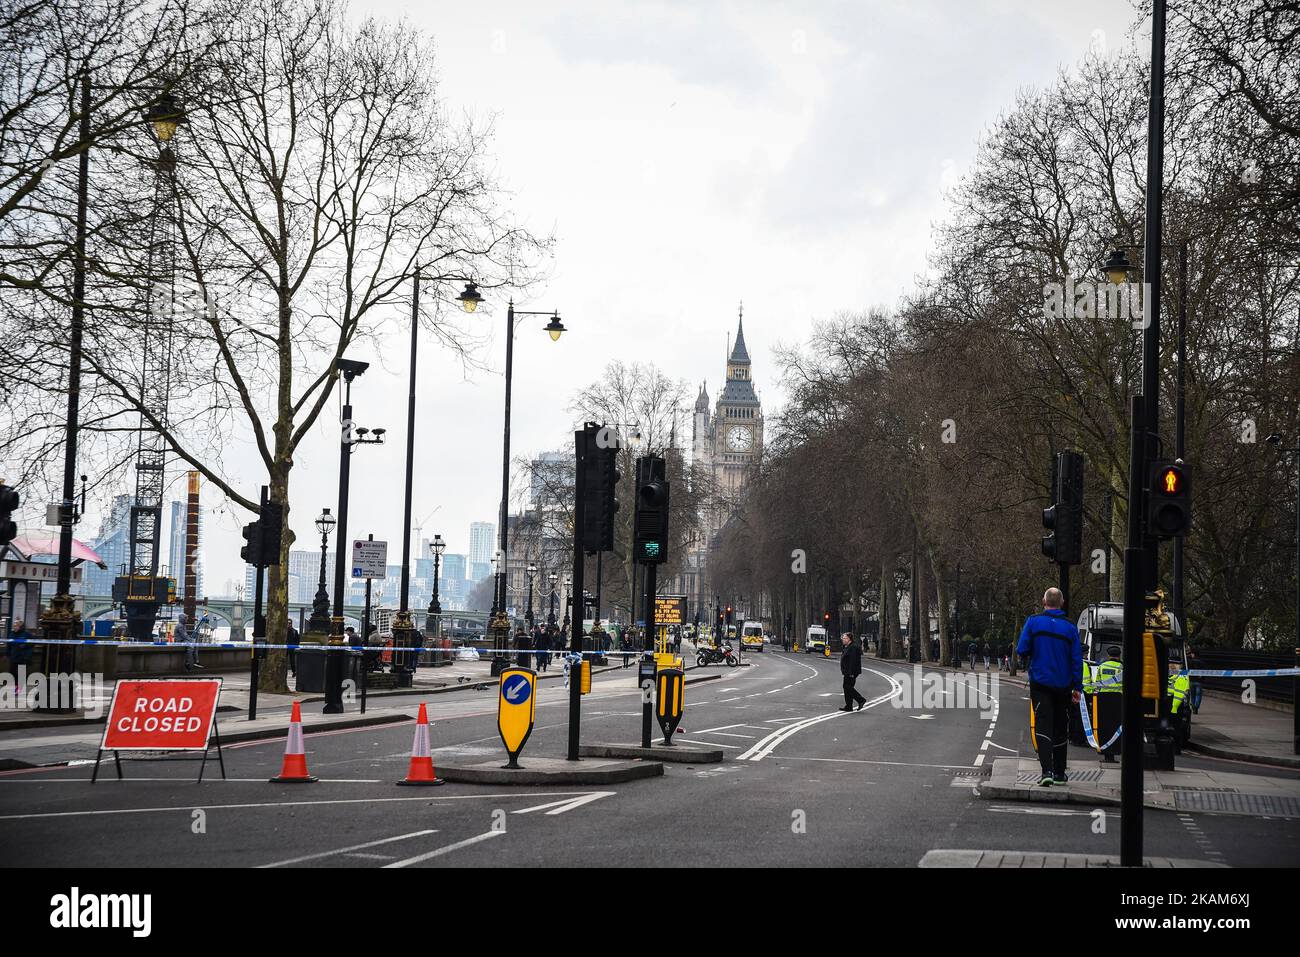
{"points": [[350, 436], [433, 624], [319, 623], [500, 626], [550, 619], [528, 616], [1140, 551], [61, 621], [404, 632], [568, 600]]}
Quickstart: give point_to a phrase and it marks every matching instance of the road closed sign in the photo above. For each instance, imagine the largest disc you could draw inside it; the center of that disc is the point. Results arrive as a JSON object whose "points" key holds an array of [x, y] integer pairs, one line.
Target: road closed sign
{"points": [[516, 709], [162, 714]]}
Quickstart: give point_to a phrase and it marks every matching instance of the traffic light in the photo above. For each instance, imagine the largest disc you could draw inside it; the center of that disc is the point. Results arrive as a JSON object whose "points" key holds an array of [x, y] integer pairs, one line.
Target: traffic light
{"points": [[826, 620], [8, 502], [1064, 518], [730, 619], [600, 481], [650, 529], [251, 553], [263, 536], [272, 522], [1169, 501]]}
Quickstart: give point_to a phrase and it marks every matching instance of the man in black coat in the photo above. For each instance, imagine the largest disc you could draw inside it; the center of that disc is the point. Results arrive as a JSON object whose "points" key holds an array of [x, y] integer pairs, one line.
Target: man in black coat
{"points": [[850, 668]]}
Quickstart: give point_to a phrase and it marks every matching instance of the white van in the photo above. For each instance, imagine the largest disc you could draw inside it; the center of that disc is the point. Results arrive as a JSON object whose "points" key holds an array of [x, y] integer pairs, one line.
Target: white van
{"points": [[751, 636], [815, 641]]}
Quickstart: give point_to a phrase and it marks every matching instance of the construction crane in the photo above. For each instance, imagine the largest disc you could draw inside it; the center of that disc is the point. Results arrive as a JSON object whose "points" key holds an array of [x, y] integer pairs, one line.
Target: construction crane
{"points": [[140, 589]]}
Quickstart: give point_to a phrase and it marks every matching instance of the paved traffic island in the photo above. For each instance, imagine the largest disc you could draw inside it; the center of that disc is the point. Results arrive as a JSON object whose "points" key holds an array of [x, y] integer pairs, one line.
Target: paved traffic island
{"points": [[550, 771], [1222, 792], [673, 754]]}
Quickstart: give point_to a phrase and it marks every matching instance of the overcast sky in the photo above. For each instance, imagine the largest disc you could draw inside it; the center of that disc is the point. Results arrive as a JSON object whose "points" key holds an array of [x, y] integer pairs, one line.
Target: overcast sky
{"points": [[688, 156]]}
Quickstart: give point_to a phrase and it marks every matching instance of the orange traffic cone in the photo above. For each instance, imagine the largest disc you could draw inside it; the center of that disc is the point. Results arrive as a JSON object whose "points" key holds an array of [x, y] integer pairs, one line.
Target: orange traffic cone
{"points": [[294, 769], [421, 770]]}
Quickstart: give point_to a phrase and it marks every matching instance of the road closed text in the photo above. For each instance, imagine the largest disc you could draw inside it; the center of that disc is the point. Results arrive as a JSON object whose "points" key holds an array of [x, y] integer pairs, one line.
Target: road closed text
{"points": [[162, 714]]}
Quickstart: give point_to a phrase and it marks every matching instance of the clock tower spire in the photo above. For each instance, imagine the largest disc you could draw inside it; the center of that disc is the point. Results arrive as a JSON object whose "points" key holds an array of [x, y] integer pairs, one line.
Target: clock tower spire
{"points": [[738, 417]]}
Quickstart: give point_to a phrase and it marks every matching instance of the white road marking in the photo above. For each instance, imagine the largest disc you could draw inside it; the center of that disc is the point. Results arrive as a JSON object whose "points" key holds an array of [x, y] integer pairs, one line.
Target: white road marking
{"points": [[566, 804], [979, 760], [781, 720], [345, 850], [189, 807], [718, 744], [921, 717], [1047, 812], [721, 727], [727, 734], [895, 764], [765, 747], [987, 743], [445, 850]]}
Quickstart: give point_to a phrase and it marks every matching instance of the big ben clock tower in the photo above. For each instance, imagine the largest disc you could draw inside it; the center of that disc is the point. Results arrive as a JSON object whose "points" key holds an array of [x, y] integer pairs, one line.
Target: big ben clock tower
{"points": [[737, 421]]}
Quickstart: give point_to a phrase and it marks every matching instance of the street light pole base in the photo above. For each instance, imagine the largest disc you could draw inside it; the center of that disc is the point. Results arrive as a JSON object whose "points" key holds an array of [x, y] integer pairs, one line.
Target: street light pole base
{"points": [[61, 622]]}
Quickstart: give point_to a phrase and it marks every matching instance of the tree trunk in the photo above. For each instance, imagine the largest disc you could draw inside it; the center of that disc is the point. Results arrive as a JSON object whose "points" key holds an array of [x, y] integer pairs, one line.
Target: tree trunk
{"points": [[274, 673], [889, 638], [945, 617]]}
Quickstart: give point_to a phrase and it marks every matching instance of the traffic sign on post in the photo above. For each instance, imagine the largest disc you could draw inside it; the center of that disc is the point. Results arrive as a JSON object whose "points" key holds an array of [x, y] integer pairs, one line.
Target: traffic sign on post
{"points": [[369, 558], [671, 700], [516, 710]]}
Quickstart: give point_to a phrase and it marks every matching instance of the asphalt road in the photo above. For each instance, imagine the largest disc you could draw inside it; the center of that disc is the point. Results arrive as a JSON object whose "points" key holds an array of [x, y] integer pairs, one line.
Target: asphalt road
{"points": [[803, 784]]}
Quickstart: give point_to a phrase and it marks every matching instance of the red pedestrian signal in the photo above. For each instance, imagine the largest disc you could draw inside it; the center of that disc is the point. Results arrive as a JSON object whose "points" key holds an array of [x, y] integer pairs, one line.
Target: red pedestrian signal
{"points": [[1171, 481], [1169, 501]]}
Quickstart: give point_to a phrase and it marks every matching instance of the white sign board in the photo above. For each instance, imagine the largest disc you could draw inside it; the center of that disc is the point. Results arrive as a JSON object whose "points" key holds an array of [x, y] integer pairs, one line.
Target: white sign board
{"points": [[369, 558], [35, 572]]}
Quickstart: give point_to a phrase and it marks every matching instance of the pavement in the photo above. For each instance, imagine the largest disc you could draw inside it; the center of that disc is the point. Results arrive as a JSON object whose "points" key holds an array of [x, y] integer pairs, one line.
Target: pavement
{"points": [[1183, 789], [1227, 728], [1020, 860], [1224, 727], [802, 784]]}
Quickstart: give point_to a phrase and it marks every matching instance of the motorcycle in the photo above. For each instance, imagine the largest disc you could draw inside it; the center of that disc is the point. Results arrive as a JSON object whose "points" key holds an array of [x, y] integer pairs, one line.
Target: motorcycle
{"points": [[708, 655]]}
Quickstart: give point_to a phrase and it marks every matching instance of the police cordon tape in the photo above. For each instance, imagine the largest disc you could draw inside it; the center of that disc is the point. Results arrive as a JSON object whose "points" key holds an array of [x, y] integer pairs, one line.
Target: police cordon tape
{"points": [[1200, 673], [247, 645], [1087, 728]]}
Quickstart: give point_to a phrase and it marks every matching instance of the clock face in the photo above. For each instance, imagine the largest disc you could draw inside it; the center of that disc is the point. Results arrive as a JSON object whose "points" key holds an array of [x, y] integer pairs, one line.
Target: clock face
{"points": [[739, 439]]}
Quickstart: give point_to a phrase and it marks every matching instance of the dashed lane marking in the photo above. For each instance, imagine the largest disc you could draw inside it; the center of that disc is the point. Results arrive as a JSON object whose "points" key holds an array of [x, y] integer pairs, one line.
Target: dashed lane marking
{"points": [[348, 850], [445, 850]]}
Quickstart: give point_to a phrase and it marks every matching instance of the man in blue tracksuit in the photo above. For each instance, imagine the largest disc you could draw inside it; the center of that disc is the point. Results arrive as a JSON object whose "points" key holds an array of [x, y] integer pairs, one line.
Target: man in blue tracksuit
{"points": [[1051, 643]]}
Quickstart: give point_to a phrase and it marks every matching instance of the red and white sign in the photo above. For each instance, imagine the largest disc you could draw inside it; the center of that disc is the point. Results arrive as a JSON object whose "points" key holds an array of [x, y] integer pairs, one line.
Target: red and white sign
{"points": [[162, 714]]}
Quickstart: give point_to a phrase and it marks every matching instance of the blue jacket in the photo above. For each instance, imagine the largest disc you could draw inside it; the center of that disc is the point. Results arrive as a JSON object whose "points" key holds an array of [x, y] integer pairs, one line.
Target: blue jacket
{"points": [[1051, 642]]}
